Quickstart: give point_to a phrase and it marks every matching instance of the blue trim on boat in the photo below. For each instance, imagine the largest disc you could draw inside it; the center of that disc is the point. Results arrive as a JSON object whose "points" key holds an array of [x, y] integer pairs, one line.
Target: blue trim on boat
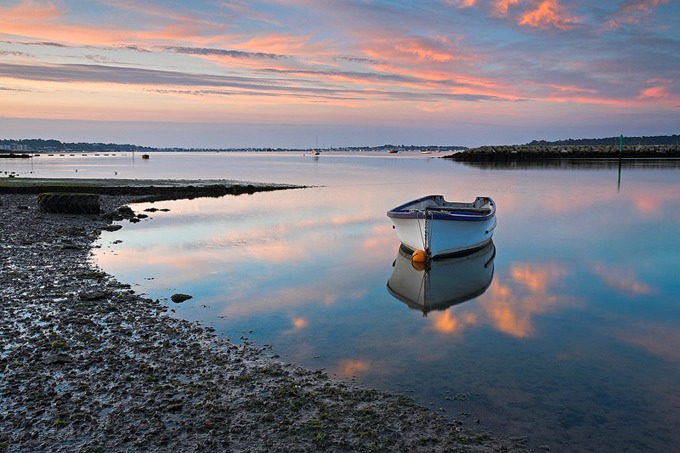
{"points": [[404, 212]]}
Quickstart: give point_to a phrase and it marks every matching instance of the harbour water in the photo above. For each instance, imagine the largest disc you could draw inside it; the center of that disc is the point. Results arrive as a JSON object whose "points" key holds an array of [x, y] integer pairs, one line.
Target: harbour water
{"points": [[566, 330]]}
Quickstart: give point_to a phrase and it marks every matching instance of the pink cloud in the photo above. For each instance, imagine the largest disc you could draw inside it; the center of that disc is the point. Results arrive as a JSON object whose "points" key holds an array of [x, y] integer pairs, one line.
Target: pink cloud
{"points": [[425, 49], [30, 11], [621, 280], [500, 7], [659, 339], [656, 92], [633, 11], [653, 202], [463, 3], [645, 6]]}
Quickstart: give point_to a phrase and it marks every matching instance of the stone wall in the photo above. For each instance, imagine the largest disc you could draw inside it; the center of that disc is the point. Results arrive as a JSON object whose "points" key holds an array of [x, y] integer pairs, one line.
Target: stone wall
{"points": [[525, 152]]}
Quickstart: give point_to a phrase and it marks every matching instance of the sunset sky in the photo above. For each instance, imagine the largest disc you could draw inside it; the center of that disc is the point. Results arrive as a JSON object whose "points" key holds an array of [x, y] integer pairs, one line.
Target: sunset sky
{"points": [[222, 74]]}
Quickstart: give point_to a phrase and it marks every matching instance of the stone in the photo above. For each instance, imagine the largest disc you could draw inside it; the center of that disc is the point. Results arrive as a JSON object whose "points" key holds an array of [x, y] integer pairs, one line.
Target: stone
{"points": [[93, 295], [179, 298], [57, 359]]}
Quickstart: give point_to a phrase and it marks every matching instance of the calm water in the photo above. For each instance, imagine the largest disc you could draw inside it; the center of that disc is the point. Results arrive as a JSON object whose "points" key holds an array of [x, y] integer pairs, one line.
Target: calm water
{"points": [[573, 341]]}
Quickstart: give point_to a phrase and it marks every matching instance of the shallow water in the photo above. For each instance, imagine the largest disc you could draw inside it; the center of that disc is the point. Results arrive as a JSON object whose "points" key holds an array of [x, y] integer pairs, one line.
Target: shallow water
{"points": [[573, 340]]}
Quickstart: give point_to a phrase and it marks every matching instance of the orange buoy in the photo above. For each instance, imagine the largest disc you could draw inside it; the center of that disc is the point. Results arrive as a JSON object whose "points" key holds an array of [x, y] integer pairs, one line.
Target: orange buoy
{"points": [[419, 256], [418, 260]]}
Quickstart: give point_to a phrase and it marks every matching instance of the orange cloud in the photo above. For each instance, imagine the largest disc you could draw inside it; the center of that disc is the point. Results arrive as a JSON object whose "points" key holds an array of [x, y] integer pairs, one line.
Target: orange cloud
{"points": [[547, 14]]}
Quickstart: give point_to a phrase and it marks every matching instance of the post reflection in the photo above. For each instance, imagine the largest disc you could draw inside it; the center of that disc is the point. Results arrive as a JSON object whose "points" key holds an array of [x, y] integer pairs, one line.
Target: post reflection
{"points": [[442, 283]]}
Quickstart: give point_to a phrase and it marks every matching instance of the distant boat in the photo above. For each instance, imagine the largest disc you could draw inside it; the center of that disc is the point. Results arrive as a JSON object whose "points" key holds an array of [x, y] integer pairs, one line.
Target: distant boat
{"points": [[393, 151], [145, 156], [442, 283], [315, 151], [426, 151], [442, 228]]}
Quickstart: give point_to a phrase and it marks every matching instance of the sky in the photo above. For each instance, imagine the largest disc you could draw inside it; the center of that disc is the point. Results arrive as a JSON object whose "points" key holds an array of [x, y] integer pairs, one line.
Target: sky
{"points": [[336, 73]]}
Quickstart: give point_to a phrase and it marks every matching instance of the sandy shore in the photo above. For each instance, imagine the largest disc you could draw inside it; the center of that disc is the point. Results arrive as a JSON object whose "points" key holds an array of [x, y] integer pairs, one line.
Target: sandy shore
{"points": [[88, 365]]}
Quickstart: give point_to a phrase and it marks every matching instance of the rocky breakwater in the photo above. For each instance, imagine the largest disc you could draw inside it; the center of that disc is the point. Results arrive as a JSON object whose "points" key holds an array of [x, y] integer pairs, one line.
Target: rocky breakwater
{"points": [[86, 364], [514, 153]]}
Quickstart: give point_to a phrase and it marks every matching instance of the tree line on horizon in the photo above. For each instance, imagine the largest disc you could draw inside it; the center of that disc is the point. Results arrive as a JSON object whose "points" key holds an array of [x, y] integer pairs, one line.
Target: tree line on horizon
{"points": [[651, 140], [56, 145]]}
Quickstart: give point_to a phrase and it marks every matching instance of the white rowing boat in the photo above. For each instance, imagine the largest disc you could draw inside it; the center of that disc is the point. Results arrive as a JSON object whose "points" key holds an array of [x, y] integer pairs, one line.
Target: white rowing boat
{"points": [[442, 228]]}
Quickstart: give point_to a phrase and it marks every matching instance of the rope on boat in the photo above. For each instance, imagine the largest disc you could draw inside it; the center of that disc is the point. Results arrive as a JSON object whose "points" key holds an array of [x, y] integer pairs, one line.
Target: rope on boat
{"points": [[423, 233]]}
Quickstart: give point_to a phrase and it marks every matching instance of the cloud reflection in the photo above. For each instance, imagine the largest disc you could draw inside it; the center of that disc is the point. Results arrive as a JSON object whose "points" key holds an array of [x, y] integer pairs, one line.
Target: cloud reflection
{"points": [[349, 368], [657, 338], [511, 303], [622, 280]]}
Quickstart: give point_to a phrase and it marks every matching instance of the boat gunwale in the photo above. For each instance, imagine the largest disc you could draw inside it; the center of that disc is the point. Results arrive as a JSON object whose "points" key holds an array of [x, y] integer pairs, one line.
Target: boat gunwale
{"points": [[400, 211]]}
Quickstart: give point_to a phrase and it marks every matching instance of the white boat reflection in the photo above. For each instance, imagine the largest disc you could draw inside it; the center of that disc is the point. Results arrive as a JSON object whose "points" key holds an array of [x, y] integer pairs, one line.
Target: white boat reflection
{"points": [[442, 283]]}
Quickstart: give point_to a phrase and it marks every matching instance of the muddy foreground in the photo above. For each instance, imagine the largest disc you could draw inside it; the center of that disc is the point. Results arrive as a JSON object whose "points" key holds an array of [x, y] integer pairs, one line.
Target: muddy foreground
{"points": [[88, 365]]}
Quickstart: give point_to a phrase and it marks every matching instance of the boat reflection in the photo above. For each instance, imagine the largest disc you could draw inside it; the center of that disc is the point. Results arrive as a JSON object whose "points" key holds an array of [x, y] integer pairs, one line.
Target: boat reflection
{"points": [[441, 283]]}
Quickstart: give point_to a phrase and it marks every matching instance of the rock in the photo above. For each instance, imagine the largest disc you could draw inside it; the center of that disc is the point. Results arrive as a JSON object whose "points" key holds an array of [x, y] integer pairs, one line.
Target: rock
{"points": [[126, 211], [93, 295], [179, 298], [112, 227], [57, 359], [69, 203]]}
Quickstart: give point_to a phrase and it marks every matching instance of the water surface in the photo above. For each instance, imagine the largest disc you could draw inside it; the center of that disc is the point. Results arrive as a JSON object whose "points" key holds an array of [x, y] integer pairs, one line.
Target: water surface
{"points": [[571, 338]]}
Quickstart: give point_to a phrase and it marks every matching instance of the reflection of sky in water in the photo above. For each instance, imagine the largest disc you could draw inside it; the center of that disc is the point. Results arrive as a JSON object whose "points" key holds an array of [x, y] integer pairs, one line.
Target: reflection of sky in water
{"points": [[574, 342]]}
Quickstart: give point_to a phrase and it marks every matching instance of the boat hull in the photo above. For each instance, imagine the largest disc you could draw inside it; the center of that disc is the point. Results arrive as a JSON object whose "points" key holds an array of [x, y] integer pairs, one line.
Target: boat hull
{"points": [[442, 228]]}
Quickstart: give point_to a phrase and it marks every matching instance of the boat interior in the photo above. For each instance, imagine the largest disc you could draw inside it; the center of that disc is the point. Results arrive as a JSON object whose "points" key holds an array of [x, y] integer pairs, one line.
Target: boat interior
{"points": [[481, 205]]}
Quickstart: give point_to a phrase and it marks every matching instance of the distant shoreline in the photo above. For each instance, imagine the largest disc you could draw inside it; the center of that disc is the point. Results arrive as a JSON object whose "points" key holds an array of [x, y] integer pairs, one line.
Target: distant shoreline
{"points": [[146, 190], [510, 153]]}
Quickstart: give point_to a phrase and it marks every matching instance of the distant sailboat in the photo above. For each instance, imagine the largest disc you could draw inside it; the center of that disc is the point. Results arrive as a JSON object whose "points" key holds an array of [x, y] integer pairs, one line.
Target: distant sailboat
{"points": [[315, 151]]}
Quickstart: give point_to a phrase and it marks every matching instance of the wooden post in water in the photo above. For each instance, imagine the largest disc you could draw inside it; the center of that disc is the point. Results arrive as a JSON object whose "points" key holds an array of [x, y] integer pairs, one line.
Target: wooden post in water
{"points": [[620, 155]]}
